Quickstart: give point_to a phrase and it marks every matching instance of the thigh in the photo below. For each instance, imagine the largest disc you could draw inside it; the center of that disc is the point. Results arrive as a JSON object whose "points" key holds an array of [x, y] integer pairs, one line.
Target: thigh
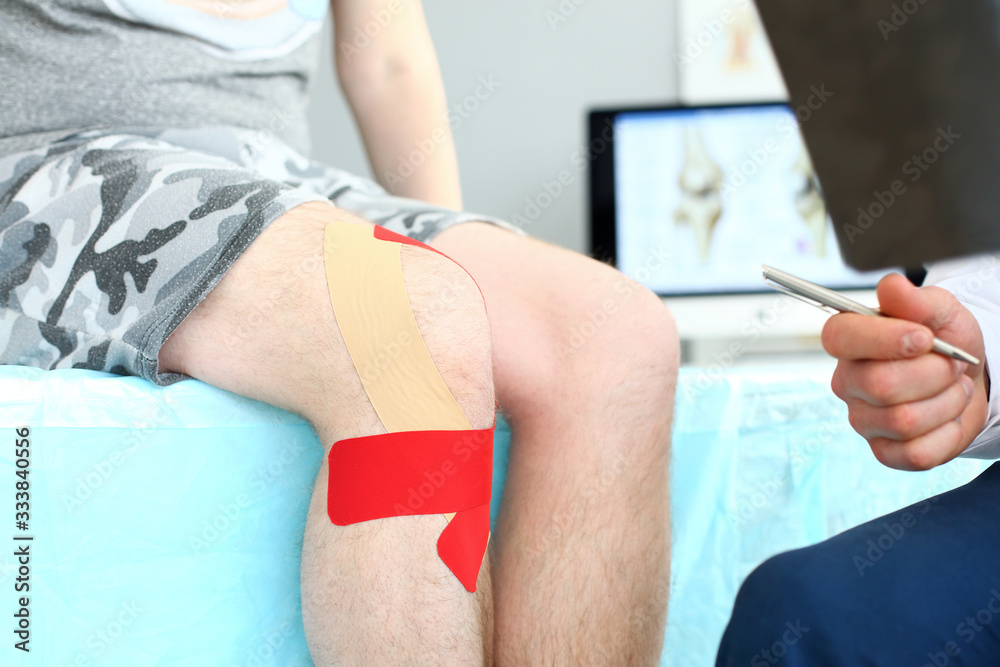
{"points": [[919, 586]]}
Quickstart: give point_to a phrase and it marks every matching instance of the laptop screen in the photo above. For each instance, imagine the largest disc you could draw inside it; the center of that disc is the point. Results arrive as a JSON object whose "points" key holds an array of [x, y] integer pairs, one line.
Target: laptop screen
{"points": [[696, 199]]}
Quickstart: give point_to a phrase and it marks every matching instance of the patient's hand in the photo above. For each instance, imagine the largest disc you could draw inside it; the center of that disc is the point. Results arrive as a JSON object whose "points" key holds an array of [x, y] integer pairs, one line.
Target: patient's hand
{"points": [[917, 409]]}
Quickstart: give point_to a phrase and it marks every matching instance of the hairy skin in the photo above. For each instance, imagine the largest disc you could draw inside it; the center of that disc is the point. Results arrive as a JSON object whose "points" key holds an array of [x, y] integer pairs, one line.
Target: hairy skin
{"points": [[579, 559], [400, 604]]}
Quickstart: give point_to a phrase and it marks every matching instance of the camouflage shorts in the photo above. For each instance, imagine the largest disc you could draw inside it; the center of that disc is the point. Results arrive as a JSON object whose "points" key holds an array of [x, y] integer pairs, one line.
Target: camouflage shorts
{"points": [[109, 239]]}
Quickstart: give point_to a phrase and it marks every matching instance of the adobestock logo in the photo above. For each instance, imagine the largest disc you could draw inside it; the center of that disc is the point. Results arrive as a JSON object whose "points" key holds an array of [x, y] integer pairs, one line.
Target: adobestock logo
{"points": [[877, 548], [423, 149], [773, 654], [968, 630], [711, 30], [562, 13], [914, 168], [900, 14], [363, 35]]}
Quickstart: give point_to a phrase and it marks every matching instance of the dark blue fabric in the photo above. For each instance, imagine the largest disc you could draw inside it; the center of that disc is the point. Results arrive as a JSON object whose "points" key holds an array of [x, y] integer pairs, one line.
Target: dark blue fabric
{"points": [[917, 587]]}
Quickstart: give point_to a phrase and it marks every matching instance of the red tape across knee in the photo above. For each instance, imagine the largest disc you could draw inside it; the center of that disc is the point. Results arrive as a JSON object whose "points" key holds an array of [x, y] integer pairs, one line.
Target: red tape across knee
{"points": [[419, 472], [383, 234]]}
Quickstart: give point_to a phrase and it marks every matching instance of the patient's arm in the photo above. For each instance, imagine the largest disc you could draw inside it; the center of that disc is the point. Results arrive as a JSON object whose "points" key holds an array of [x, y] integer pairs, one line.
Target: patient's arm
{"points": [[916, 408], [389, 73]]}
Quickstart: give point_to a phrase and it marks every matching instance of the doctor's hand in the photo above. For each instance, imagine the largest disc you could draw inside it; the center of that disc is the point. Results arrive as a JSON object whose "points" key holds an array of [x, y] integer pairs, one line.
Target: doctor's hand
{"points": [[917, 409]]}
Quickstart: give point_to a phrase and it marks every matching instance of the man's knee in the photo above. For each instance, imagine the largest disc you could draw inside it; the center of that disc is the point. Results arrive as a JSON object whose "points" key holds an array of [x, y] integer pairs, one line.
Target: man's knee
{"points": [[650, 328], [451, 317], [623, 335], [268, 330], [451, 324]]}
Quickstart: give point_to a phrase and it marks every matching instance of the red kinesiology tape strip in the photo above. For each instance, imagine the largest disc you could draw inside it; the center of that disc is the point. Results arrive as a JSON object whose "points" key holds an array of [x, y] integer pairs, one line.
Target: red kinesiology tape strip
{"points": [[383, 234], [419, 472]]}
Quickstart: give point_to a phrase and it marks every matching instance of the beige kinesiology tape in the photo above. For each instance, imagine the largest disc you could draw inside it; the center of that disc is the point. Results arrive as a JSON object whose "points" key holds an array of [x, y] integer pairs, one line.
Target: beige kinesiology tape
{"points": [[365, 278], [376, 476]]}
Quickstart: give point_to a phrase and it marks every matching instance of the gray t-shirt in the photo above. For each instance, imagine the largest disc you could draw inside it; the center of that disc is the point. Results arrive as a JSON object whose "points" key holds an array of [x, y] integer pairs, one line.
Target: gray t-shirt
{"points": [[69, 65]]}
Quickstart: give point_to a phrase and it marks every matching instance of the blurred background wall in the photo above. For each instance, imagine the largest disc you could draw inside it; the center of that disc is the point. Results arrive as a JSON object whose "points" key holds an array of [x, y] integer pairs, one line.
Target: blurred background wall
{"points": [[548, 61]]}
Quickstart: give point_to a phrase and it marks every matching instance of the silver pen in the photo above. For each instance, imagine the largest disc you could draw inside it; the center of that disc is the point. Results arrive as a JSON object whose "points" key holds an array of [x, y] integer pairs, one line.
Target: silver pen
{"points": [[833, 302]]}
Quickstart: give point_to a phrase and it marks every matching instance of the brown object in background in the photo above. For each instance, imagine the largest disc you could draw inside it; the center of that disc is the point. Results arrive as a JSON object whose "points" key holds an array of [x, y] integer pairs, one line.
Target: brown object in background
{"points": [[898, 101]]}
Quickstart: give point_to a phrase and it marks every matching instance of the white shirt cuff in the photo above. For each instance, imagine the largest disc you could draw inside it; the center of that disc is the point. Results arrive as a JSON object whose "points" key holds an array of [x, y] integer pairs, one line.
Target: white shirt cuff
{"points": [[975, 282], [987, 444]]}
